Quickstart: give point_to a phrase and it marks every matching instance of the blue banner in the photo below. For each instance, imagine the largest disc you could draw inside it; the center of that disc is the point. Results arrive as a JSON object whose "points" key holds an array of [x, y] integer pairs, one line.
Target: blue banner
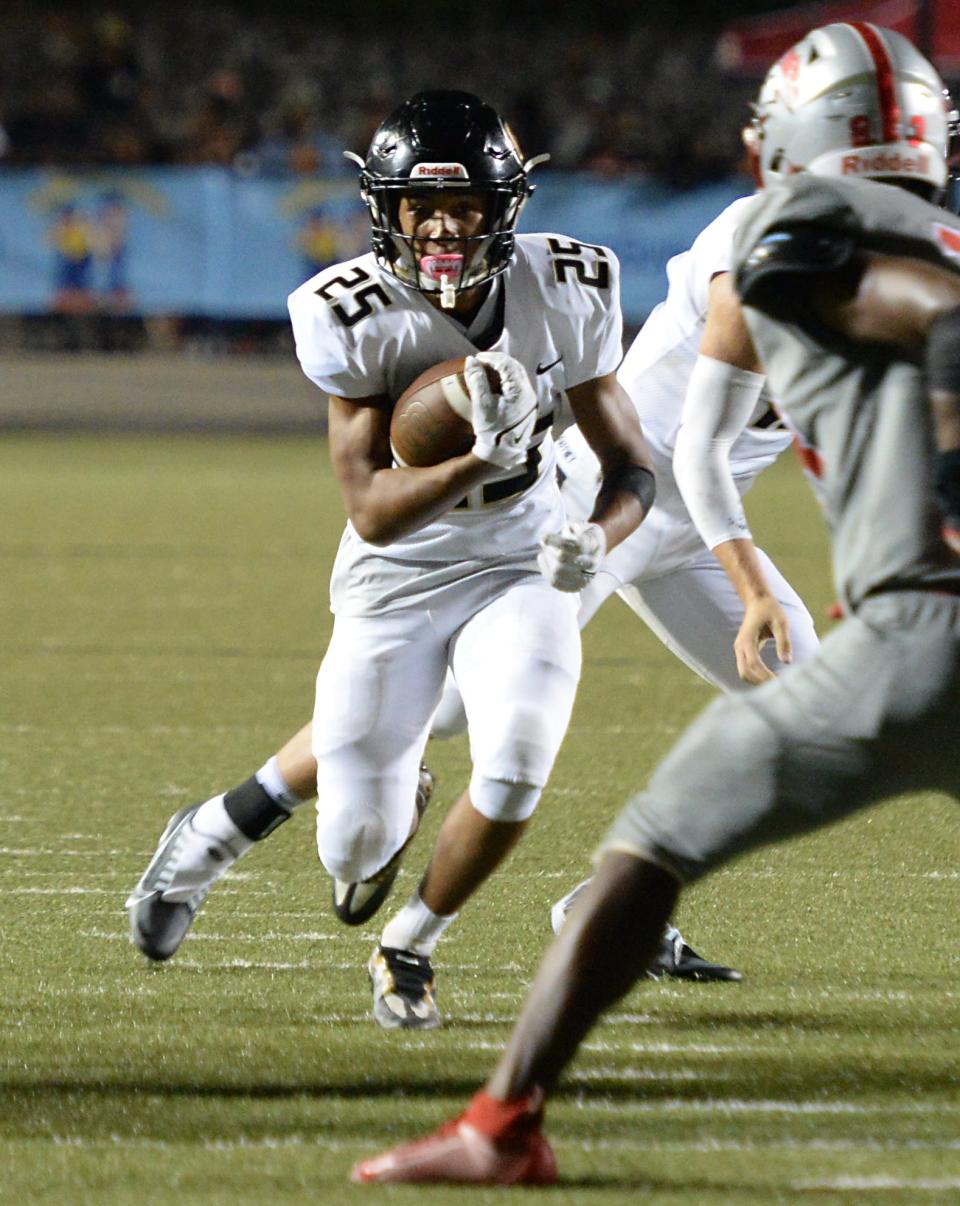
{"points": [[205, 241]]}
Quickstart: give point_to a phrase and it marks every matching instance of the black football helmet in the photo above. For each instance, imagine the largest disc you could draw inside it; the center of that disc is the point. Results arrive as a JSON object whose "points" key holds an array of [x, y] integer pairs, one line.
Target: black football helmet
{"points": [[444, 140]]}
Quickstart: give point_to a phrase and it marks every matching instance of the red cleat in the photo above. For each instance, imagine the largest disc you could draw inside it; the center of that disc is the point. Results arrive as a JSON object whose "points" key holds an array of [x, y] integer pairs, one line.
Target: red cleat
{"points": [[463, 1151]]}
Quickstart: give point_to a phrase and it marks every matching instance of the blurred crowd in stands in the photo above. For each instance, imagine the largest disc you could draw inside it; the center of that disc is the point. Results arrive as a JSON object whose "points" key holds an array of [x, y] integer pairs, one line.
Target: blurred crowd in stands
{"points": [[280, 91]]}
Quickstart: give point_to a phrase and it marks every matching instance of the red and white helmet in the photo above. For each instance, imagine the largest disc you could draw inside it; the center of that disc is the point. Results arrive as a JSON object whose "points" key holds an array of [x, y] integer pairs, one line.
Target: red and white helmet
{"points": [[853, 100]]}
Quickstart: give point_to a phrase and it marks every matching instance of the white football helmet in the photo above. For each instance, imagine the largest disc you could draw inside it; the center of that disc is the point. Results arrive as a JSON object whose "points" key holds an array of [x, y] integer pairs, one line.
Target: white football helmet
{"points": [[853, 100]]}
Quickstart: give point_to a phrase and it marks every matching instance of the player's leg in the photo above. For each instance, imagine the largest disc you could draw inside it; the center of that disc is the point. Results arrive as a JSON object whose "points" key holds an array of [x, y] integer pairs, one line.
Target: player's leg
{"points": [[870, 716], [696, 612], [376, 690], [202, 841], [517, 661], [599, 956]]}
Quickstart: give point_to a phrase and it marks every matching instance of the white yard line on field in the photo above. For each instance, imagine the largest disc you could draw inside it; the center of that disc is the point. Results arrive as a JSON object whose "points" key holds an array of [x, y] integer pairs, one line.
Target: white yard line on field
{"points": [[267, 936], [705, 1147], [864, 1183], [719, 1105]]}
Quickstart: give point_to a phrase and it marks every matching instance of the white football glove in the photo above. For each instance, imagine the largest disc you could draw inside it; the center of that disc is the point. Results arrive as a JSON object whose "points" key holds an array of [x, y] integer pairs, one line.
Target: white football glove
{"points": [[503, 422], [569, 558]]}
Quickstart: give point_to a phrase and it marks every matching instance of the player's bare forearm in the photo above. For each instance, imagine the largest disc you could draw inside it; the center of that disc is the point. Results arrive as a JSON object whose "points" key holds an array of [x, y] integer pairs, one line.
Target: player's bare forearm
{"points": [[887, 299], [763, 617], [382, 502], [619, 513], [400, 500], [609, 422], [742, 565]]}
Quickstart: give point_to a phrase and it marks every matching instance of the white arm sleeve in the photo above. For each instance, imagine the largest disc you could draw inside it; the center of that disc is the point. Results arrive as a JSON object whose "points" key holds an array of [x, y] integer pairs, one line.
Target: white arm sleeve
{"points": [[718, 404]]}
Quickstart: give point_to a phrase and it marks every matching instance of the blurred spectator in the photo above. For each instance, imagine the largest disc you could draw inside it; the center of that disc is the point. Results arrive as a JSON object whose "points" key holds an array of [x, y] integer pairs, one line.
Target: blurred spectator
{"points": [[52, 128], [110, 77], [116, 95], [278, 90], [300, 147], [224, 126]]}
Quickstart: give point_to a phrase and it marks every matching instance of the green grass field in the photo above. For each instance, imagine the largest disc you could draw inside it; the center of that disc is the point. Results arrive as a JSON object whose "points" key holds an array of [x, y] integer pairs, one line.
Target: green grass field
{"points": [[163, 609]]}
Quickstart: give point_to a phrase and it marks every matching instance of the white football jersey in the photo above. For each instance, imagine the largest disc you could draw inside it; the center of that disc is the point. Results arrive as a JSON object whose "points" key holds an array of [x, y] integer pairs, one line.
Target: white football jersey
{"points": [[360, 333], [657, 367]]}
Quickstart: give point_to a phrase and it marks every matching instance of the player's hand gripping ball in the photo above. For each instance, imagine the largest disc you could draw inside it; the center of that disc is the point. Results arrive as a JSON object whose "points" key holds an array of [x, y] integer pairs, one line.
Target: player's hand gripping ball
{"points": [[503, 419], [482, 403]]}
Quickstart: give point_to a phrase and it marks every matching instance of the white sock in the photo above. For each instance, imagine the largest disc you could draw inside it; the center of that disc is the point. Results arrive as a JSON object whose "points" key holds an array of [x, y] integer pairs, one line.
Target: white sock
{"points": [[274, 784], [213, 821], [199, 863], [415, 928]]}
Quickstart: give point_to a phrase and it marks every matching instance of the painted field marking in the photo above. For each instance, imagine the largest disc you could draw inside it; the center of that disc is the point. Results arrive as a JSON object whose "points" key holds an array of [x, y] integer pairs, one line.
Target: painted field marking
{"points": [[847, 1183], [705, 1147], [715, 1105]]}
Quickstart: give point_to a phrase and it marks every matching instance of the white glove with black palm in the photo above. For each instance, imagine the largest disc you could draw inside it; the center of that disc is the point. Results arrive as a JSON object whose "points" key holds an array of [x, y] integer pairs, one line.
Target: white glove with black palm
{"points": [[569, 558], [503, 422]]}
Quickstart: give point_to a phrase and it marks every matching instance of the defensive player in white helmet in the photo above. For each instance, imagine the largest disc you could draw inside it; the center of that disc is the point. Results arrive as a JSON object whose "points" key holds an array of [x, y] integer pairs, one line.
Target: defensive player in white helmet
{"points": [[850, 288], [438, 567], [820, 109]]}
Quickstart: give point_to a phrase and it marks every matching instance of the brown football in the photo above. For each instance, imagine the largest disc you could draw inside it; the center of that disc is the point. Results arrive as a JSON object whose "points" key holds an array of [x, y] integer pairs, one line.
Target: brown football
{"points": [[431, 419]]}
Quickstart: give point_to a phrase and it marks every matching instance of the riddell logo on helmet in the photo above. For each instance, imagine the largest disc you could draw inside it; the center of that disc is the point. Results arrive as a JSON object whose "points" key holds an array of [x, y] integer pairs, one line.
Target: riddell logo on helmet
{"points": [[441, 171], [886, 161]]}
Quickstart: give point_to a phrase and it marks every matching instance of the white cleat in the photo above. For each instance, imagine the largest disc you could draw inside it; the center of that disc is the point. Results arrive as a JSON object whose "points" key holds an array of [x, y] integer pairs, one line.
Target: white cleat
{"points": [[184, 868]]}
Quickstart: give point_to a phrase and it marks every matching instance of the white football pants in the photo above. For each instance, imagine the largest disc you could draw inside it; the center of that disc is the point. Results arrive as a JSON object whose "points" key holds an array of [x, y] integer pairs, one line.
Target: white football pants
{"points": [[665, 573], [512, 643]]}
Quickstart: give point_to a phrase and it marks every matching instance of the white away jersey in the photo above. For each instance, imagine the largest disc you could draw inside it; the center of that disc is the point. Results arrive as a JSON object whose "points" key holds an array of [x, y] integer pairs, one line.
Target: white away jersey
{"points": [[360, 333], [657, 367]]}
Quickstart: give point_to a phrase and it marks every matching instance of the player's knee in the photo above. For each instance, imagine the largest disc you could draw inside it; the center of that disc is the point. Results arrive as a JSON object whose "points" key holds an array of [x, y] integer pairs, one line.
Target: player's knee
{"points": [[499, 800], [521, 747], [353, 843]]}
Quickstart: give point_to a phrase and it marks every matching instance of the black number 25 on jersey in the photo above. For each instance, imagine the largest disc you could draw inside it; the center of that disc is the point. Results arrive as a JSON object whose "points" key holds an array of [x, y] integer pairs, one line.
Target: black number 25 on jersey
{"points": [[355, 302], [568, 257]]}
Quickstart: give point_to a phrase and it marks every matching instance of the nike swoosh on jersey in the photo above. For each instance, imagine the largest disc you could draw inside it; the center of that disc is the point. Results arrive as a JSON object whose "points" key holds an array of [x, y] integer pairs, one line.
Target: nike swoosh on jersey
{"points": [[545, 368]]}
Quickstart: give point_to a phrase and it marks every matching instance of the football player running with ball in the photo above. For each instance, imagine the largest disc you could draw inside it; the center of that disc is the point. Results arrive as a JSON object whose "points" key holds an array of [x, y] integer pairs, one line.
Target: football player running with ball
{"points": [[437, 567], [693, 377], [850, 288]]}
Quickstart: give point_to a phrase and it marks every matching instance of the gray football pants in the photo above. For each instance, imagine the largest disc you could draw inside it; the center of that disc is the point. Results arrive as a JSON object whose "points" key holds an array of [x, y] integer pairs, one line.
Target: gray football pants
{"points": [[872, 715]]}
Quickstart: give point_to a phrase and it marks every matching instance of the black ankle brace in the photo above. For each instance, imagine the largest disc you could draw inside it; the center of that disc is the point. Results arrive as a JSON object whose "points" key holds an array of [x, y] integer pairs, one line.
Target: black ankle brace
{"points": [[254, 812]]}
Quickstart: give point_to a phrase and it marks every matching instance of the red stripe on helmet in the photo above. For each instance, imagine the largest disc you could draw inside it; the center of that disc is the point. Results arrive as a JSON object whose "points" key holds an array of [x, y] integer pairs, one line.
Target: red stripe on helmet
{"points": [[886, 80]]}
